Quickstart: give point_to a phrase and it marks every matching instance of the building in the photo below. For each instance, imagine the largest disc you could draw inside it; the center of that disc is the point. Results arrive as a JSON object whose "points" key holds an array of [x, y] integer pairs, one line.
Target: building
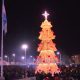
{"points": [[76, 59]]}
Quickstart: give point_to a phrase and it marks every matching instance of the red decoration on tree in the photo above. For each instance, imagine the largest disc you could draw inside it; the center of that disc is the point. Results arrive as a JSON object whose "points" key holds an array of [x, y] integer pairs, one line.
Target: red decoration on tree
{"points": [[39, 70], [39, 56], [44, 61], [49, 69], [58, 69], [56, 57], [49, 56]]}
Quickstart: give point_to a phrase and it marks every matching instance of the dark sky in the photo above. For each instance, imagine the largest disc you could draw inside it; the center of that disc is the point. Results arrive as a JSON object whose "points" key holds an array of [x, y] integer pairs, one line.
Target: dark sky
{"points": [[24, 20]]}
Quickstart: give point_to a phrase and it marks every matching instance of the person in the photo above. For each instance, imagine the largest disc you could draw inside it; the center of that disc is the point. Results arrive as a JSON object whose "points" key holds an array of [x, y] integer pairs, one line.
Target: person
{"points": [[56, 78], [47, 78]]}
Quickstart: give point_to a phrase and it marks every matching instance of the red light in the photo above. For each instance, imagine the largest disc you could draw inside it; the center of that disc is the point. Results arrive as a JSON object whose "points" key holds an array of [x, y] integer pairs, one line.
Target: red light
{"points": [[43, 60], [49, 56]]}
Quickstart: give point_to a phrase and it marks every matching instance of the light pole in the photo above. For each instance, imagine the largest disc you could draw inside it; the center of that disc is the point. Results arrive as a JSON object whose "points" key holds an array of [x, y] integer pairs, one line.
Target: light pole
{"points": [[58, 53], [31, 58], [13, 57], [6, 58], [22, 58], [25, 46]]}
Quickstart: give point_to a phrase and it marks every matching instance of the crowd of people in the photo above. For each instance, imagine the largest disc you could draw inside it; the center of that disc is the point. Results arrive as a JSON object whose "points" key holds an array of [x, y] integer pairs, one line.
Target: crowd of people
{"points": [[71, 72], [17, 72]]}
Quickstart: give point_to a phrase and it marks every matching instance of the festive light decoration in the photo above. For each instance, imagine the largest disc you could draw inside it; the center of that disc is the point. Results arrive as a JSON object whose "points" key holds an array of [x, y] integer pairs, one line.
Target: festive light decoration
{"points": [[47, 60]]}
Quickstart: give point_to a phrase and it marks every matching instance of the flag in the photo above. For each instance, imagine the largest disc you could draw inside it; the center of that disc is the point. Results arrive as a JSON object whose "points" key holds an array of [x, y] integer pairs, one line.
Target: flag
{"points": [[4, 18]]}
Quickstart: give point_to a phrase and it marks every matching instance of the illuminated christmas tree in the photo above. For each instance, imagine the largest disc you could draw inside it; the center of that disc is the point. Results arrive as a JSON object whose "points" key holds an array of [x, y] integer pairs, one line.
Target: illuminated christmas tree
{"points": [[47, 60]]}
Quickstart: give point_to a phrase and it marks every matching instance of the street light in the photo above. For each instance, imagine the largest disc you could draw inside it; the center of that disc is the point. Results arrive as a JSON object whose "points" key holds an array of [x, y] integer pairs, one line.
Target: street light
{"points": [[58, 53], [13, 57], [31, 56], [22, 57], [25, 46], [7, 58]]}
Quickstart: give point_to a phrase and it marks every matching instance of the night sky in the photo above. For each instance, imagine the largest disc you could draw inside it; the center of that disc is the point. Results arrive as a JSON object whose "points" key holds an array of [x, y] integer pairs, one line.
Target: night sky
{"points": [[24, 20]]}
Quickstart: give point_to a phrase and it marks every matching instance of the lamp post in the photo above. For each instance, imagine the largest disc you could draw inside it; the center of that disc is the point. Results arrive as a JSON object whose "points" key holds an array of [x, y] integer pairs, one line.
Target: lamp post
{"points": [[31, 58], [13, 57], [6, 58], [25, 46], [22, 58], [58, 53]]}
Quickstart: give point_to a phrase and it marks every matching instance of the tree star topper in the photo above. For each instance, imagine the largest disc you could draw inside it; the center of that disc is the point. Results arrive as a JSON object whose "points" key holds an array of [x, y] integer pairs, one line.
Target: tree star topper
{"points": [[45, 14]]}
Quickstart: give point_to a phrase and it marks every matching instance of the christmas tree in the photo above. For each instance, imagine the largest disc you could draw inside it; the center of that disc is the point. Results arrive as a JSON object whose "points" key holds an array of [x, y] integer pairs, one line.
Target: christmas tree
{"points": [[47, 60]]}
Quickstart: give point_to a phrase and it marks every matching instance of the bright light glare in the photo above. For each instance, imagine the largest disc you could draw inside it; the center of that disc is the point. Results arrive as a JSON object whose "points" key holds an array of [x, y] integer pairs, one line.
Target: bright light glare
{"points": [[58, 53], [24, 46], [45, 14], [5, 56], [13, 55], [22, 57]]}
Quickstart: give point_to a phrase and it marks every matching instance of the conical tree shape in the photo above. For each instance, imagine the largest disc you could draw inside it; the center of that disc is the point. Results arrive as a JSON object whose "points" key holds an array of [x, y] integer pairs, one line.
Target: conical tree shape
{"points": [[46, 61]]}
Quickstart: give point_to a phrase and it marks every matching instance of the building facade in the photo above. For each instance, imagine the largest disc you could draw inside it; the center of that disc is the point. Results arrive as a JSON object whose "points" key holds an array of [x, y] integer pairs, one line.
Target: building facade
{"points": [[76, 59]]}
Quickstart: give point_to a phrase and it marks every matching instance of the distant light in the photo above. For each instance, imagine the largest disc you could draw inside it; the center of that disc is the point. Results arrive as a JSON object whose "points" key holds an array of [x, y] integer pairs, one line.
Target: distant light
{"points": [[71, 64], [5, 56], [58, 53], [13, 55], [31, 56], [75, 56], [24, 46], [67, 66], [22, 57]]}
